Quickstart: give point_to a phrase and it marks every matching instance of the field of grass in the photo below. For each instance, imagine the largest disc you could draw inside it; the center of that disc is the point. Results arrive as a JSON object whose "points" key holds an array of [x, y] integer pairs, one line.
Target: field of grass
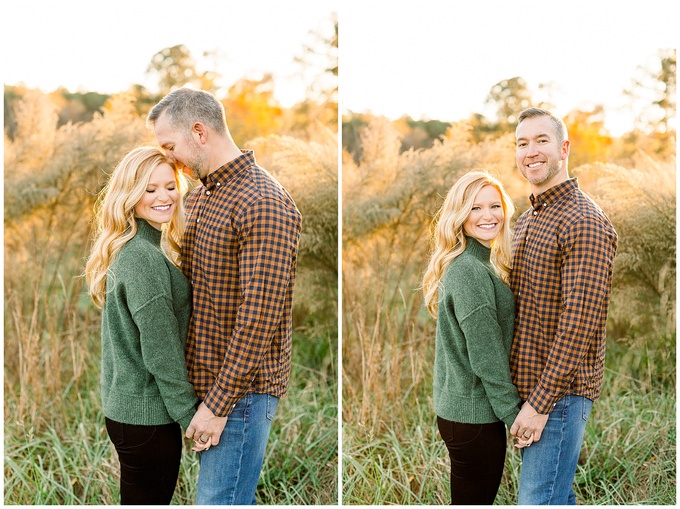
{"points": [[392, 452], [56, 447], [57, 451]]}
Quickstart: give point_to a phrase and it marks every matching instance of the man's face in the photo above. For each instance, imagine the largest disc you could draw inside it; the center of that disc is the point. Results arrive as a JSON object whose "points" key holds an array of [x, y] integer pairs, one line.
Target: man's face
{"points": [[539, 156], [181, 148]]}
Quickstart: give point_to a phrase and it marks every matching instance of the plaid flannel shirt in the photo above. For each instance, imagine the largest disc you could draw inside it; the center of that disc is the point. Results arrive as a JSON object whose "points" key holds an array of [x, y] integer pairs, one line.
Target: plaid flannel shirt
{"points": [[563, 257], [239, 253]]}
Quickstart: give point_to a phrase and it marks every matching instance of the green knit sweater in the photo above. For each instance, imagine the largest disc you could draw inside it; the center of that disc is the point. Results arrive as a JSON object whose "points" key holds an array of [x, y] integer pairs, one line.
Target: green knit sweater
{"points": [[474, 332], [144, 324]]}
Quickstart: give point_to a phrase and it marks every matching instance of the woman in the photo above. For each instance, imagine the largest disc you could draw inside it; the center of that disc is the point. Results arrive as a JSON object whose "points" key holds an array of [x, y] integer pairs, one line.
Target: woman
{"points": [[465, 289], [144, 297]]}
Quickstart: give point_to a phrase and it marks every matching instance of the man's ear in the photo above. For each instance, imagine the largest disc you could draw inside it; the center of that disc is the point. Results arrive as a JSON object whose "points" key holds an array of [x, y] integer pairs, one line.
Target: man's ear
{"points": [[200, 131], [566, 144]]}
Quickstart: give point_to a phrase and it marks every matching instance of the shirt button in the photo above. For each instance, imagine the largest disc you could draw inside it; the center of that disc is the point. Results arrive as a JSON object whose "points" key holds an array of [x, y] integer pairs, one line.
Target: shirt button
{"points": [[545, 204], [526, 238], [197, 220], [535, 212], [218, 184], [207, 193]]}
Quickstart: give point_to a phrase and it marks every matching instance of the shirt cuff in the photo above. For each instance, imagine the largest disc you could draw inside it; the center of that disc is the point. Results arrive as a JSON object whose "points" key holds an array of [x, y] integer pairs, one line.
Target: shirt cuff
{"points": [[543, 400], [219, 402]]}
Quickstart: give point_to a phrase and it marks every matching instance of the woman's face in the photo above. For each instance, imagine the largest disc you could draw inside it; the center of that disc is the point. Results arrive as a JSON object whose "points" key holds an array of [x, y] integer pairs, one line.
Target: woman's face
{"points": [[486, 217], [160, 198]]}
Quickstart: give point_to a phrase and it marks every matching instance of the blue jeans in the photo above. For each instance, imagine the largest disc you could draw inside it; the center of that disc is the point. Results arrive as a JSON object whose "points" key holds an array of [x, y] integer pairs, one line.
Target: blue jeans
{"points": [[549, 465], [230, 470]]}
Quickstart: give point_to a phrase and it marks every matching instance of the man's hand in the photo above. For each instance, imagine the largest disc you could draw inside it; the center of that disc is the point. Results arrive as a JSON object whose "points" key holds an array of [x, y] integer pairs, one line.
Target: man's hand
{"points": [[528, 423], [522, 443], [205, 428]]}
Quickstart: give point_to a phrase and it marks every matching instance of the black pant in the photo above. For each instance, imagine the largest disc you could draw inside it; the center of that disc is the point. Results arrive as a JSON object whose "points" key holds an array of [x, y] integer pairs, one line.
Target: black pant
{"points": [[477, 453], [149, 461]]}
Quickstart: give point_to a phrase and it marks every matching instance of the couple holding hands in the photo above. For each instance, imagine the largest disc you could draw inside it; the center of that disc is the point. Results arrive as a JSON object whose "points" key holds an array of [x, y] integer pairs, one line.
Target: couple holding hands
{"points": [[196, 314], [521, 321]]}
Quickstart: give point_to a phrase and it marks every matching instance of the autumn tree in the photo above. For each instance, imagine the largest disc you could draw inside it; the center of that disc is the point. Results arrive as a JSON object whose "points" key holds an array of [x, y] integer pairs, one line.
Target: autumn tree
{"points": [[251, 109], [590, 141]]}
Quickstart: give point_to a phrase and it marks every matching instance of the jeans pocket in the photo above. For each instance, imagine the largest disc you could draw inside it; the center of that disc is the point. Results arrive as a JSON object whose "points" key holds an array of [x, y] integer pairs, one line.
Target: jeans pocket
{"points": [[272, 405], [587, 407]]}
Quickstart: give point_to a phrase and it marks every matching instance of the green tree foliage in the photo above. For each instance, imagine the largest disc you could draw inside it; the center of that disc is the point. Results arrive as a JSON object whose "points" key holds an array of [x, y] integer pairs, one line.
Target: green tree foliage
{"points": [[173, 67], [70, 107], [653, 87], [509, 96], [352, 125]]}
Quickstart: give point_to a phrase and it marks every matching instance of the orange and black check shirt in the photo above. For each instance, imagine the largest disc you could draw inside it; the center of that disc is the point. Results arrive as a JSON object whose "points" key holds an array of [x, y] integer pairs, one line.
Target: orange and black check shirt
{"points": [[563, 258], [239, 253]]}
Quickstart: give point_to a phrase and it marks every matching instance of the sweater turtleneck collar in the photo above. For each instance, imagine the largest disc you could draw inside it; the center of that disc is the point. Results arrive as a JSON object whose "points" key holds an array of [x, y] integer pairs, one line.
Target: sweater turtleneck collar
{"points": [[477, 249], [148, 232]]}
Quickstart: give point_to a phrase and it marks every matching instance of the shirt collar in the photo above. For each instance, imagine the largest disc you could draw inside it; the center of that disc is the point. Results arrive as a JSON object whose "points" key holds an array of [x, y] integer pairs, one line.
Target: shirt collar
{"points": [[554, 194], [228, 171]]}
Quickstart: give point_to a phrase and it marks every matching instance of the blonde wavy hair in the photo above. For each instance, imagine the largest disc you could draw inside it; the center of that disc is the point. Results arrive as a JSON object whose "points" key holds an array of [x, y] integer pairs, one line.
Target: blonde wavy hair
{"points": [[114, 216], [448, 237]]}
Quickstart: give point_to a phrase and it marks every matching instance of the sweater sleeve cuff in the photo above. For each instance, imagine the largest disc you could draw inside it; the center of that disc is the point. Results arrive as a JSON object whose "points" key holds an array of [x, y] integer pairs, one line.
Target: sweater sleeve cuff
{"points": [[510, 419], [186, 420]]}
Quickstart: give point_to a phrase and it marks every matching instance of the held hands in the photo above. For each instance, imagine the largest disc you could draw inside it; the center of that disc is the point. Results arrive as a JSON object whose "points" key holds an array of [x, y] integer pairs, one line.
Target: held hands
{"points": [[528, 426], [205, 428]]}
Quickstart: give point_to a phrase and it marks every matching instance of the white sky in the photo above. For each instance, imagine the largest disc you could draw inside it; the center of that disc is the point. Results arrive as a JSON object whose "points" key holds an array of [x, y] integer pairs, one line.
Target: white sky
{"points": [[438, 59], [430, 59], [106, 46]]}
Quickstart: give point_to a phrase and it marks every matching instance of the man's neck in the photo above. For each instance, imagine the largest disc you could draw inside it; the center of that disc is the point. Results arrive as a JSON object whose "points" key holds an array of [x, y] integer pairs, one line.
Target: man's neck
{"points": [[224, 156]]}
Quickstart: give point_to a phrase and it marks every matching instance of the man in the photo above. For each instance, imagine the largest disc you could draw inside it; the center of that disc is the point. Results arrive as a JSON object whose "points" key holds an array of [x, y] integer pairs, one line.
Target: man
{"points": [[239, 253], [563, 256]]}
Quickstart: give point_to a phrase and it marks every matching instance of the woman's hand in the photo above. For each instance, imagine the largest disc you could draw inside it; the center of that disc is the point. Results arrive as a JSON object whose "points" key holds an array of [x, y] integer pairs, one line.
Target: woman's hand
{"points": [[200, 445], [523, 442]]}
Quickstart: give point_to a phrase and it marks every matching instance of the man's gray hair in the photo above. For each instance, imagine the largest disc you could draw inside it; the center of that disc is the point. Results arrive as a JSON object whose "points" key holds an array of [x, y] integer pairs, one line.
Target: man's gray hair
{"points": [[184, 106]]}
